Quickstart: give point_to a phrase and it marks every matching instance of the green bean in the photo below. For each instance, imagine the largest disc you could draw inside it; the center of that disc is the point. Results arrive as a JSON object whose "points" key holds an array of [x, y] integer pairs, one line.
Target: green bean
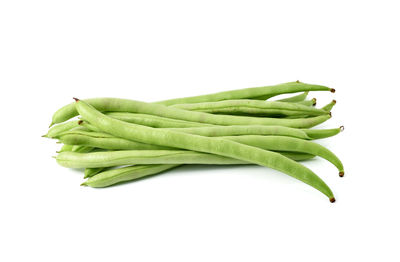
{"points": [[297, 98], [153, 121], [255, 107], [322, 133], [290, 144], [217, 146], [243, 130], [58, 129], [291, 87], [124, 174], [102, 140], [329, 106], [118, 175]]}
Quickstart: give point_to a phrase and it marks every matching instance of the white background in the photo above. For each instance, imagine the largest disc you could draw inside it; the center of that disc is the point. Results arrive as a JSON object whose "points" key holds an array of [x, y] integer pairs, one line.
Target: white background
{"points": [[51, 51]]}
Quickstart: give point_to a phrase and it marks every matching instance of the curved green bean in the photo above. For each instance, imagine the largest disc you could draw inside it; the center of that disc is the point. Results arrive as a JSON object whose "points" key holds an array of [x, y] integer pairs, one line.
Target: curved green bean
{"points": [[291, 144], [291, 87], [218, 146], [329, 106], [322, 133], [61, 128]]}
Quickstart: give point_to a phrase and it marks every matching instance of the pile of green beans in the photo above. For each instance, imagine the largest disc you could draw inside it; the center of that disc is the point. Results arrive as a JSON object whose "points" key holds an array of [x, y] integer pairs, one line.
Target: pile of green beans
{"points": [[119, 140]]}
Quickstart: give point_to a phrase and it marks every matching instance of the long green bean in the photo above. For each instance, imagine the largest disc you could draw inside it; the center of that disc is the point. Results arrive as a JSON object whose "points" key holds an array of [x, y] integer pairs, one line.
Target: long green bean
{"points": [[291, 87], [118, 175]]}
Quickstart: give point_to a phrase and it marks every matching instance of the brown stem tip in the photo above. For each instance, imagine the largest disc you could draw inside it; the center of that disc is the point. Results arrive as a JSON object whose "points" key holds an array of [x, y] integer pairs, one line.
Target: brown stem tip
{"points": [[332, 200], [341, 174], [76, 99], [334, 101], [330, 114], [341, 128], [333, 90], [314, 101], [80, 122]]}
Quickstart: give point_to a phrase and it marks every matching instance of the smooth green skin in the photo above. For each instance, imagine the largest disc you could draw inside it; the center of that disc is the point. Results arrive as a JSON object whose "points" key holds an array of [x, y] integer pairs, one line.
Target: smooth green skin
{"points": [[153, 121], [296, 98], [244, 130], [252, 107], [118, 175], [329, 106], [131, 157], [247, 93], [61, 128], [217, 146], [322, 133], [102, 140], [225, 120], [110, 104]]}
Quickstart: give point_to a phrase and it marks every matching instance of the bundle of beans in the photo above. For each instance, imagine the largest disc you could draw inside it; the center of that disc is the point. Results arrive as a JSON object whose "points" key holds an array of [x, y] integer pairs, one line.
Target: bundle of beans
{"points": [[118, 140]]}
